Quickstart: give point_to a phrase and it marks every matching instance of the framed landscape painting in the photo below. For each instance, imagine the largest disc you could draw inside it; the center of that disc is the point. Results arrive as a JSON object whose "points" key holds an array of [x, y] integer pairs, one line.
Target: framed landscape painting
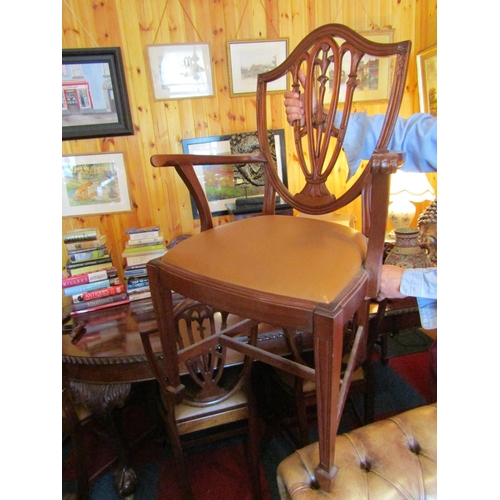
{"points": [[94, 184], [223, 184]]}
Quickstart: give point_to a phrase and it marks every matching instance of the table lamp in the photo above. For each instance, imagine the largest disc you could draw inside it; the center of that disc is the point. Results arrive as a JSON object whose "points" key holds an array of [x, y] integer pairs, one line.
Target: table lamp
{"points": [[405, 188]]}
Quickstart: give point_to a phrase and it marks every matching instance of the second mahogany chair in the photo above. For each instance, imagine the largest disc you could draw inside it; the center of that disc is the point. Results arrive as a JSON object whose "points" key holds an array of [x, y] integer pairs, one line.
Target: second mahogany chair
{"points": [[217, 399], [294, 272]]}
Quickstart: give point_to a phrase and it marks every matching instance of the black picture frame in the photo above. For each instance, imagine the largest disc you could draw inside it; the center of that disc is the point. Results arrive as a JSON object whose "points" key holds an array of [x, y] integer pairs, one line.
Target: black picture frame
{"points": [[236, 144], [94, 94]]}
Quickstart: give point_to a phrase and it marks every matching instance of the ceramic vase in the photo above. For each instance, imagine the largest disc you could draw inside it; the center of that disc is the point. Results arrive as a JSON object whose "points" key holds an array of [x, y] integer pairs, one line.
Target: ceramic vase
{"points": [[407, 252]]}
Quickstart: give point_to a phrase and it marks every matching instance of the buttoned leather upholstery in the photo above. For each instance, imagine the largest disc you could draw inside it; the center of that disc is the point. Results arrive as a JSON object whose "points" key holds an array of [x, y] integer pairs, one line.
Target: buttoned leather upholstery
{"points": [[394, 458]]}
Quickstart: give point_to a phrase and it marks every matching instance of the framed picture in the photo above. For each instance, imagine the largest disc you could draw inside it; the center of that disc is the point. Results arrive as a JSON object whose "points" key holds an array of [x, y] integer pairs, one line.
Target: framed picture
{"points": [[376, 83], [427, 80], [223, 184], [94, 94], [181, 71], [94, 184], [249, 58]]}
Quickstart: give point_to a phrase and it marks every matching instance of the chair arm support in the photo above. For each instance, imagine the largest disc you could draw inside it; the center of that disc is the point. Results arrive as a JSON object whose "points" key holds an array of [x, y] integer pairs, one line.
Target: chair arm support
{"points": [[383, 163], [184, 166]]}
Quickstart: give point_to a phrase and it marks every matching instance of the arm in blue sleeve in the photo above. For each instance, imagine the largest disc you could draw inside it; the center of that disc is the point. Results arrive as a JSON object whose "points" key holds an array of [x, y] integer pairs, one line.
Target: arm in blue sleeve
{"points": [[422, 284], [417, 136]]}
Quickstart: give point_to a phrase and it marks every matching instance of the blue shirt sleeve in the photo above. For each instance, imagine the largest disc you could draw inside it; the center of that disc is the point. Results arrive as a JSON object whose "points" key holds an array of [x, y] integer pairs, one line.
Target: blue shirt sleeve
{"points": [[417, 136], [422, 284]]}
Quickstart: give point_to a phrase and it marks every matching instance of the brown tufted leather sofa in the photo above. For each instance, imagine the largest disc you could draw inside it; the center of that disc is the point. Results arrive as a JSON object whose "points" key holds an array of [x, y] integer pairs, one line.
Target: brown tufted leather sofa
{"points": [[391, 459]]}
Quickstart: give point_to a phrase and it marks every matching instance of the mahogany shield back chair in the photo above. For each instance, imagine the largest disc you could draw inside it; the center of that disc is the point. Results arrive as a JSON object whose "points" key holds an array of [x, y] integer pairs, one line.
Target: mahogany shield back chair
{"points": [[298, 273], [216, 397]]}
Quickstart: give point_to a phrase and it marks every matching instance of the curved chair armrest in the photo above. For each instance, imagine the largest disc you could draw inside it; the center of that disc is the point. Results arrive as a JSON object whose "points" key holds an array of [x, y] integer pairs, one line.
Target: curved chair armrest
{"points": [[184, 166]]}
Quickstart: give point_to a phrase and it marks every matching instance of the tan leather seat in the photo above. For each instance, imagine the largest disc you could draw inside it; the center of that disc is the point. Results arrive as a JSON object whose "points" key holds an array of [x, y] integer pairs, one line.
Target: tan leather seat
{"points": [[394, 458]]}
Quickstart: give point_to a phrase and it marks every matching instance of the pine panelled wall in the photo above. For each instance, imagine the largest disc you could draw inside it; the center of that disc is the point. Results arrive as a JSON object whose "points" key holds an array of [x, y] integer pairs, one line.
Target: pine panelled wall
{"points": [[158, 196]]}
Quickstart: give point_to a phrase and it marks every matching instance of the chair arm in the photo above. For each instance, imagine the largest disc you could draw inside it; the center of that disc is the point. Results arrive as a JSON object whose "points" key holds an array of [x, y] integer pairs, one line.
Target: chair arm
{"points": [[184, 166]]}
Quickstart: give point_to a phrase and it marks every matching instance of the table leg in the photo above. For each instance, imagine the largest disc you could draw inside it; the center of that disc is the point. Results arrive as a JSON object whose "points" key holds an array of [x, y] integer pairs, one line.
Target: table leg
{"points": [[103, 401]]}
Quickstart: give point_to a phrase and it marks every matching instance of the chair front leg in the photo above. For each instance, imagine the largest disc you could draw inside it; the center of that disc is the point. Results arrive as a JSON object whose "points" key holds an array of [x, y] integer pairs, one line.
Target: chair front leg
{"points": [[328, 337]]}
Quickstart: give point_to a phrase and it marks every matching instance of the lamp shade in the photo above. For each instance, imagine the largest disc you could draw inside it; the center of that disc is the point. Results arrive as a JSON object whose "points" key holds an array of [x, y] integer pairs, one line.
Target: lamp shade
{"points": [[405, 188]]}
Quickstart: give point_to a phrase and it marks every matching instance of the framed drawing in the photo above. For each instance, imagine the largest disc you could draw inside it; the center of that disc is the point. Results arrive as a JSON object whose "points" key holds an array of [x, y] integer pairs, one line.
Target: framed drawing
{"points": [[249, 58], [94, 94], [94, 184], [181, 71], [223, 184], [427, 80]]}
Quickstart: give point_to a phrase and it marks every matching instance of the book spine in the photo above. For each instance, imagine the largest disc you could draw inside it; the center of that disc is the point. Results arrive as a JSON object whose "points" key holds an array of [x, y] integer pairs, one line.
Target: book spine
{"points": [[137, 280], [76, 265], [99, 307], [145, 241], [139, 230], [99, 302], [83, 250], [142, 259], [97, 294], [89, 287], [83, 279], [86, 256], [89, 269], [138, 296], [141, 236], [83, 236], [86, 245], [143, 248]]}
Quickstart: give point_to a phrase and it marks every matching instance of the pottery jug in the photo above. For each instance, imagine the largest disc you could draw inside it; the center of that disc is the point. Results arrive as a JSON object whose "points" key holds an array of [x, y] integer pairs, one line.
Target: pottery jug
{"points": [[407, 252]]}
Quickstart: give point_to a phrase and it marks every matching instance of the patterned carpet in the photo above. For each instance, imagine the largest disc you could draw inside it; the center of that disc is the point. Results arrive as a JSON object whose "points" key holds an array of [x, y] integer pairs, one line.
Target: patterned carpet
{"points": [[219, 472]]}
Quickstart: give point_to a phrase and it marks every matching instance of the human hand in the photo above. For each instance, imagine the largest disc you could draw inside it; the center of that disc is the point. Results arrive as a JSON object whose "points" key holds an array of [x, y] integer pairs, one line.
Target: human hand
{"points": [[294, 106], [294, 103], [390, 282]]}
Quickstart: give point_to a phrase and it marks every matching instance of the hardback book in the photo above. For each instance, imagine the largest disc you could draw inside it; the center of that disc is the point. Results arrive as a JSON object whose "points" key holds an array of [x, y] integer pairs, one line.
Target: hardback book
{"points": [[90, 304], [89, 255], [85, 278], [83, 234], [137, 289], [75, 265], [87, 245], [144, 241], [143, 248], [90, 268], [133, 281], [97, 294], [104, 305], [140, 233], [143, 259], [86, 287], [140, 295], [139, 230]]}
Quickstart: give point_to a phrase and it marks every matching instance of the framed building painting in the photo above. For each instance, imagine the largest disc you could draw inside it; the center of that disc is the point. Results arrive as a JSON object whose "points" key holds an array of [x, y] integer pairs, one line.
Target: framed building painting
{"points": [[248, 58], [94, 94]]}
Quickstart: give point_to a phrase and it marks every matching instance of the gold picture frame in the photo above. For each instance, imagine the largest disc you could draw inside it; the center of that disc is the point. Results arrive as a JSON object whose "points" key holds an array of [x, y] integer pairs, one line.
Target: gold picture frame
{"points": [[248, 58], [427, 80]]}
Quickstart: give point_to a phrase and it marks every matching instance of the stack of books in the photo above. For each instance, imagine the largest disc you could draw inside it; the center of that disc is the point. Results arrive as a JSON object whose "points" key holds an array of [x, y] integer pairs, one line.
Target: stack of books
{"points": [[143, 245], [90, 278]]}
